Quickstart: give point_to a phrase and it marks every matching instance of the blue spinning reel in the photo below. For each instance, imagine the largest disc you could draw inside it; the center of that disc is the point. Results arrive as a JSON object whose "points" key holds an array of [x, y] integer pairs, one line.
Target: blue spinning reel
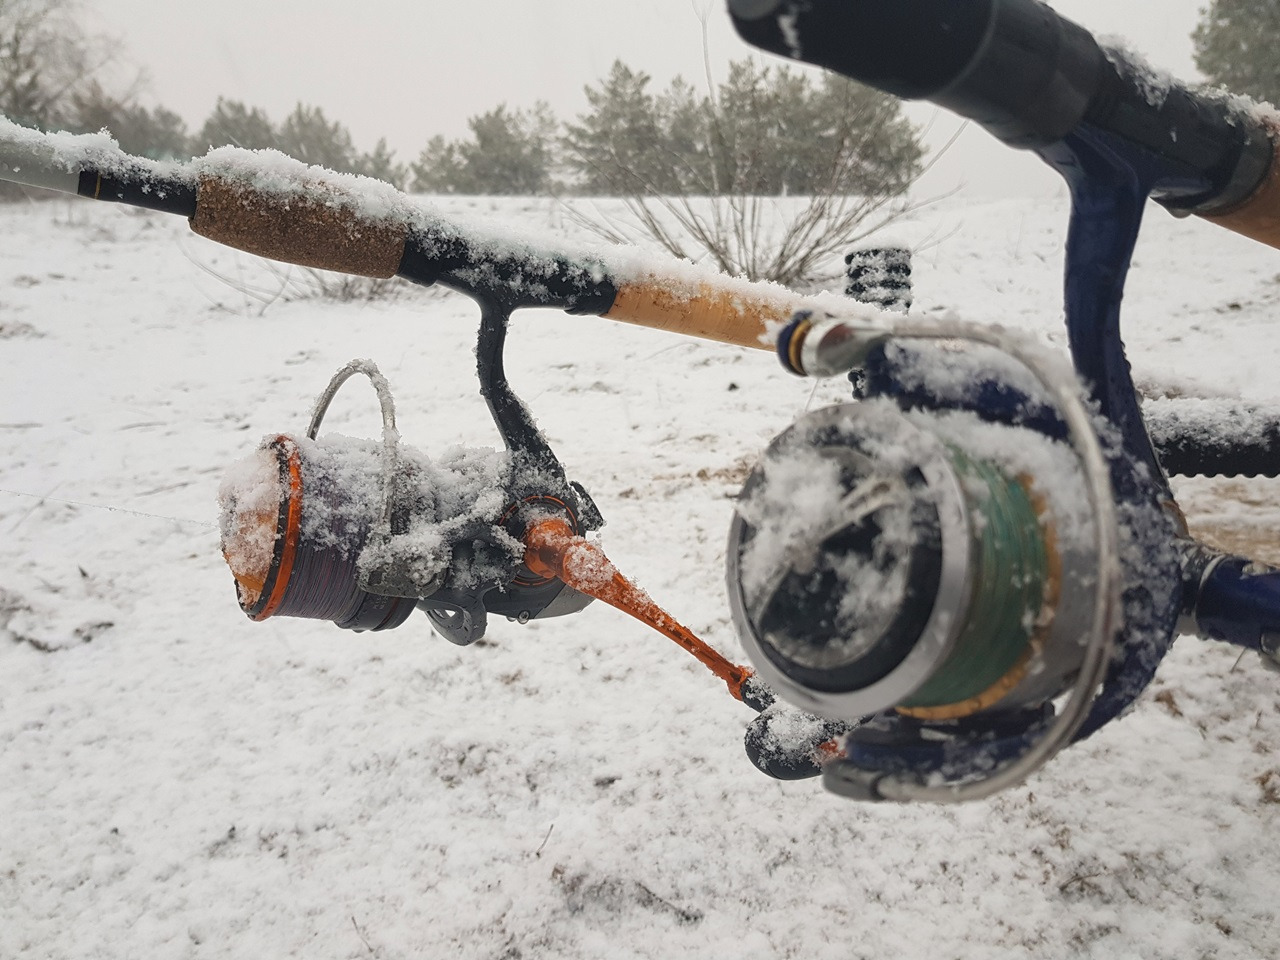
{"points": [[981, 560]]}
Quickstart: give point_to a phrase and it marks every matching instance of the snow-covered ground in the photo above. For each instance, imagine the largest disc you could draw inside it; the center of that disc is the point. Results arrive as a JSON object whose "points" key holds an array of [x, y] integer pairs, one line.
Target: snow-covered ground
{"points": [[176, 781]]}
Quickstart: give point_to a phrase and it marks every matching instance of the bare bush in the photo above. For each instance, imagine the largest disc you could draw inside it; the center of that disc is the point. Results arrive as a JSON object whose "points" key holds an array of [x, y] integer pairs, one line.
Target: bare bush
{"points": [[768, 176]]}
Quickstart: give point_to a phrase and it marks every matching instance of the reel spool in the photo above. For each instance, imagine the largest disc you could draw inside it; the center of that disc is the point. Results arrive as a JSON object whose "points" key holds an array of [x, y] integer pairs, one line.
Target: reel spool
{"points": [[292, 536], [877, 561]]}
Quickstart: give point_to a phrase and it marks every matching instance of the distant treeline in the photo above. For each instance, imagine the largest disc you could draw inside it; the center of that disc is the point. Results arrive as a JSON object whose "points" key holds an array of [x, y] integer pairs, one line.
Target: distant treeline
{"points": [[763, 131]]}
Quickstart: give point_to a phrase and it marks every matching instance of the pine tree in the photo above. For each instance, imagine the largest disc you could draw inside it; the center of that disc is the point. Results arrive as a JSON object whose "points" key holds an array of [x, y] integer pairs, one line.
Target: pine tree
{"points": [[766, 131], [617, 146], [864, 145], [509, 152], [682, 119], [1236, 45], [701, 174], [438, 168], [159, 134], [233, 124], [307, 135], [766, 125], [167, 136], [381, 165]]}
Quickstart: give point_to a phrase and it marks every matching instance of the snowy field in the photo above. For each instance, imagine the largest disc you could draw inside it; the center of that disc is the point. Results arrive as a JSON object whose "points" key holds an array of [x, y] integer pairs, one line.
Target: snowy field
{"points": [[176, 781]]}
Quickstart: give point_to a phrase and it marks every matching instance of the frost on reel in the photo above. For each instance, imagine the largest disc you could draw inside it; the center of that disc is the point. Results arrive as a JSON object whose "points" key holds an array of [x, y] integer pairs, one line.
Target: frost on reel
{"points": [[361, 532], [927, 563]]}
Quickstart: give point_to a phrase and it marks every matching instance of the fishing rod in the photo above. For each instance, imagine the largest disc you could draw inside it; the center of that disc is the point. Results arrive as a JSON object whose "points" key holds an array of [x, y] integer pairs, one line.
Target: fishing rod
{"points": [[972, 564], [284, 210]]}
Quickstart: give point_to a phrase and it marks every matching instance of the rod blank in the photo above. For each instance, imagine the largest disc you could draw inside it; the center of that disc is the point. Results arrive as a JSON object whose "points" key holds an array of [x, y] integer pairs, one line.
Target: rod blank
{"points": [[36, 165]]}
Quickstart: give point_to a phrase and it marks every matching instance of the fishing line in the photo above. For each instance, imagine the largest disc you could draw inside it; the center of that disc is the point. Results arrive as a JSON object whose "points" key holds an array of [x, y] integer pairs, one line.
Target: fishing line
{"points": [[103, 506]]}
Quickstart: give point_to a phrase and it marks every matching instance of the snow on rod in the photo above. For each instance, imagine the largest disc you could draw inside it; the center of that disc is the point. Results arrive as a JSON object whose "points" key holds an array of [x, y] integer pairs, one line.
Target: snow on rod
{"points": [[1024, 73], [267, 204]]}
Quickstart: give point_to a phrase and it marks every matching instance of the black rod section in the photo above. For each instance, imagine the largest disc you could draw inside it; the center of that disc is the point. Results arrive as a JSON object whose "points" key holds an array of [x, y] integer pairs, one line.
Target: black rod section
{"points": [[140, 189], [1014, 66], [1026, 74]]}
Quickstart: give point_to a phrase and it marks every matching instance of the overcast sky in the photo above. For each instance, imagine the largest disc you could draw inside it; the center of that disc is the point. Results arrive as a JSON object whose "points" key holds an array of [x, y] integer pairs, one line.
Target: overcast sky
{"points": [[408, 69]]}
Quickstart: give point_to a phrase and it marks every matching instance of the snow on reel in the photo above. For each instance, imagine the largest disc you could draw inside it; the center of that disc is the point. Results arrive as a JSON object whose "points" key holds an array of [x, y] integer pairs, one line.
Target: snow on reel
{"points": [[883, 561], [362, 532]]}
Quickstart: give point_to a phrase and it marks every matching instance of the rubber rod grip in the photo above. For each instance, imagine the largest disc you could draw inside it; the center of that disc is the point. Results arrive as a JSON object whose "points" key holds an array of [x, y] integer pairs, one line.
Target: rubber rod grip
{"points": [[1214, 438], [140, 189], [310, 231], [909, 48], [1015, 66]]}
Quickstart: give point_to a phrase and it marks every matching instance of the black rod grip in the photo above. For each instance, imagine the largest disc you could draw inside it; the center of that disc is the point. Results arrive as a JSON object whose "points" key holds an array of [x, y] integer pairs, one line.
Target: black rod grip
{"points": [[909, 48], [1030, 77], [1016, 67]]}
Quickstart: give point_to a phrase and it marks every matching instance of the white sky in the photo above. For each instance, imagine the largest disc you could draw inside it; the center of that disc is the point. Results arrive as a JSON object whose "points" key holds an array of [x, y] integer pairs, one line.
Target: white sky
{"points": [[407, 70]]}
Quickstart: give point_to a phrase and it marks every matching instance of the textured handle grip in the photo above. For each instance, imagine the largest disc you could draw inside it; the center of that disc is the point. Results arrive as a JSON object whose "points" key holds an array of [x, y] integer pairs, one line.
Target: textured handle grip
{"points": [[1015, 66], [304, 230]]}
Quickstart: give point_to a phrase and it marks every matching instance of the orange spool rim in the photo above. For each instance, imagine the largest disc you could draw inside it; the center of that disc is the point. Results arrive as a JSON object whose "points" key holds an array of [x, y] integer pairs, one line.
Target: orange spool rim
{"points": [[288, 531]]}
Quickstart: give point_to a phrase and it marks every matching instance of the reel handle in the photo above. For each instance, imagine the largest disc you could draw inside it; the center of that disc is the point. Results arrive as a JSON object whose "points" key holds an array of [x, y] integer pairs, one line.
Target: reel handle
{"points": [[552, 549]]}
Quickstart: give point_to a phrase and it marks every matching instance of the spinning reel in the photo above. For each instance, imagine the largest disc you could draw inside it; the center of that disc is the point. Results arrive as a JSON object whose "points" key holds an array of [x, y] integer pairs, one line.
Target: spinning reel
{"points": [[934, 571], [362, 533], [920, 557], [1014, 602]]}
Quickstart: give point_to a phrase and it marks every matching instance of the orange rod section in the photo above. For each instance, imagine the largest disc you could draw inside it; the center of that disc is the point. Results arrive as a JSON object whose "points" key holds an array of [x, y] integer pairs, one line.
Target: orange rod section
{"points": [[1258, 217], [553, 550], [712, 313]]}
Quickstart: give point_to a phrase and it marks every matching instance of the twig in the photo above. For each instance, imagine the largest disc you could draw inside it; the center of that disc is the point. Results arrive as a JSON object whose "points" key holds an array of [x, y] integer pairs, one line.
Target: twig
{"points": [[650, 899], [1080, 878], [363, 938], [538, 852]]}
